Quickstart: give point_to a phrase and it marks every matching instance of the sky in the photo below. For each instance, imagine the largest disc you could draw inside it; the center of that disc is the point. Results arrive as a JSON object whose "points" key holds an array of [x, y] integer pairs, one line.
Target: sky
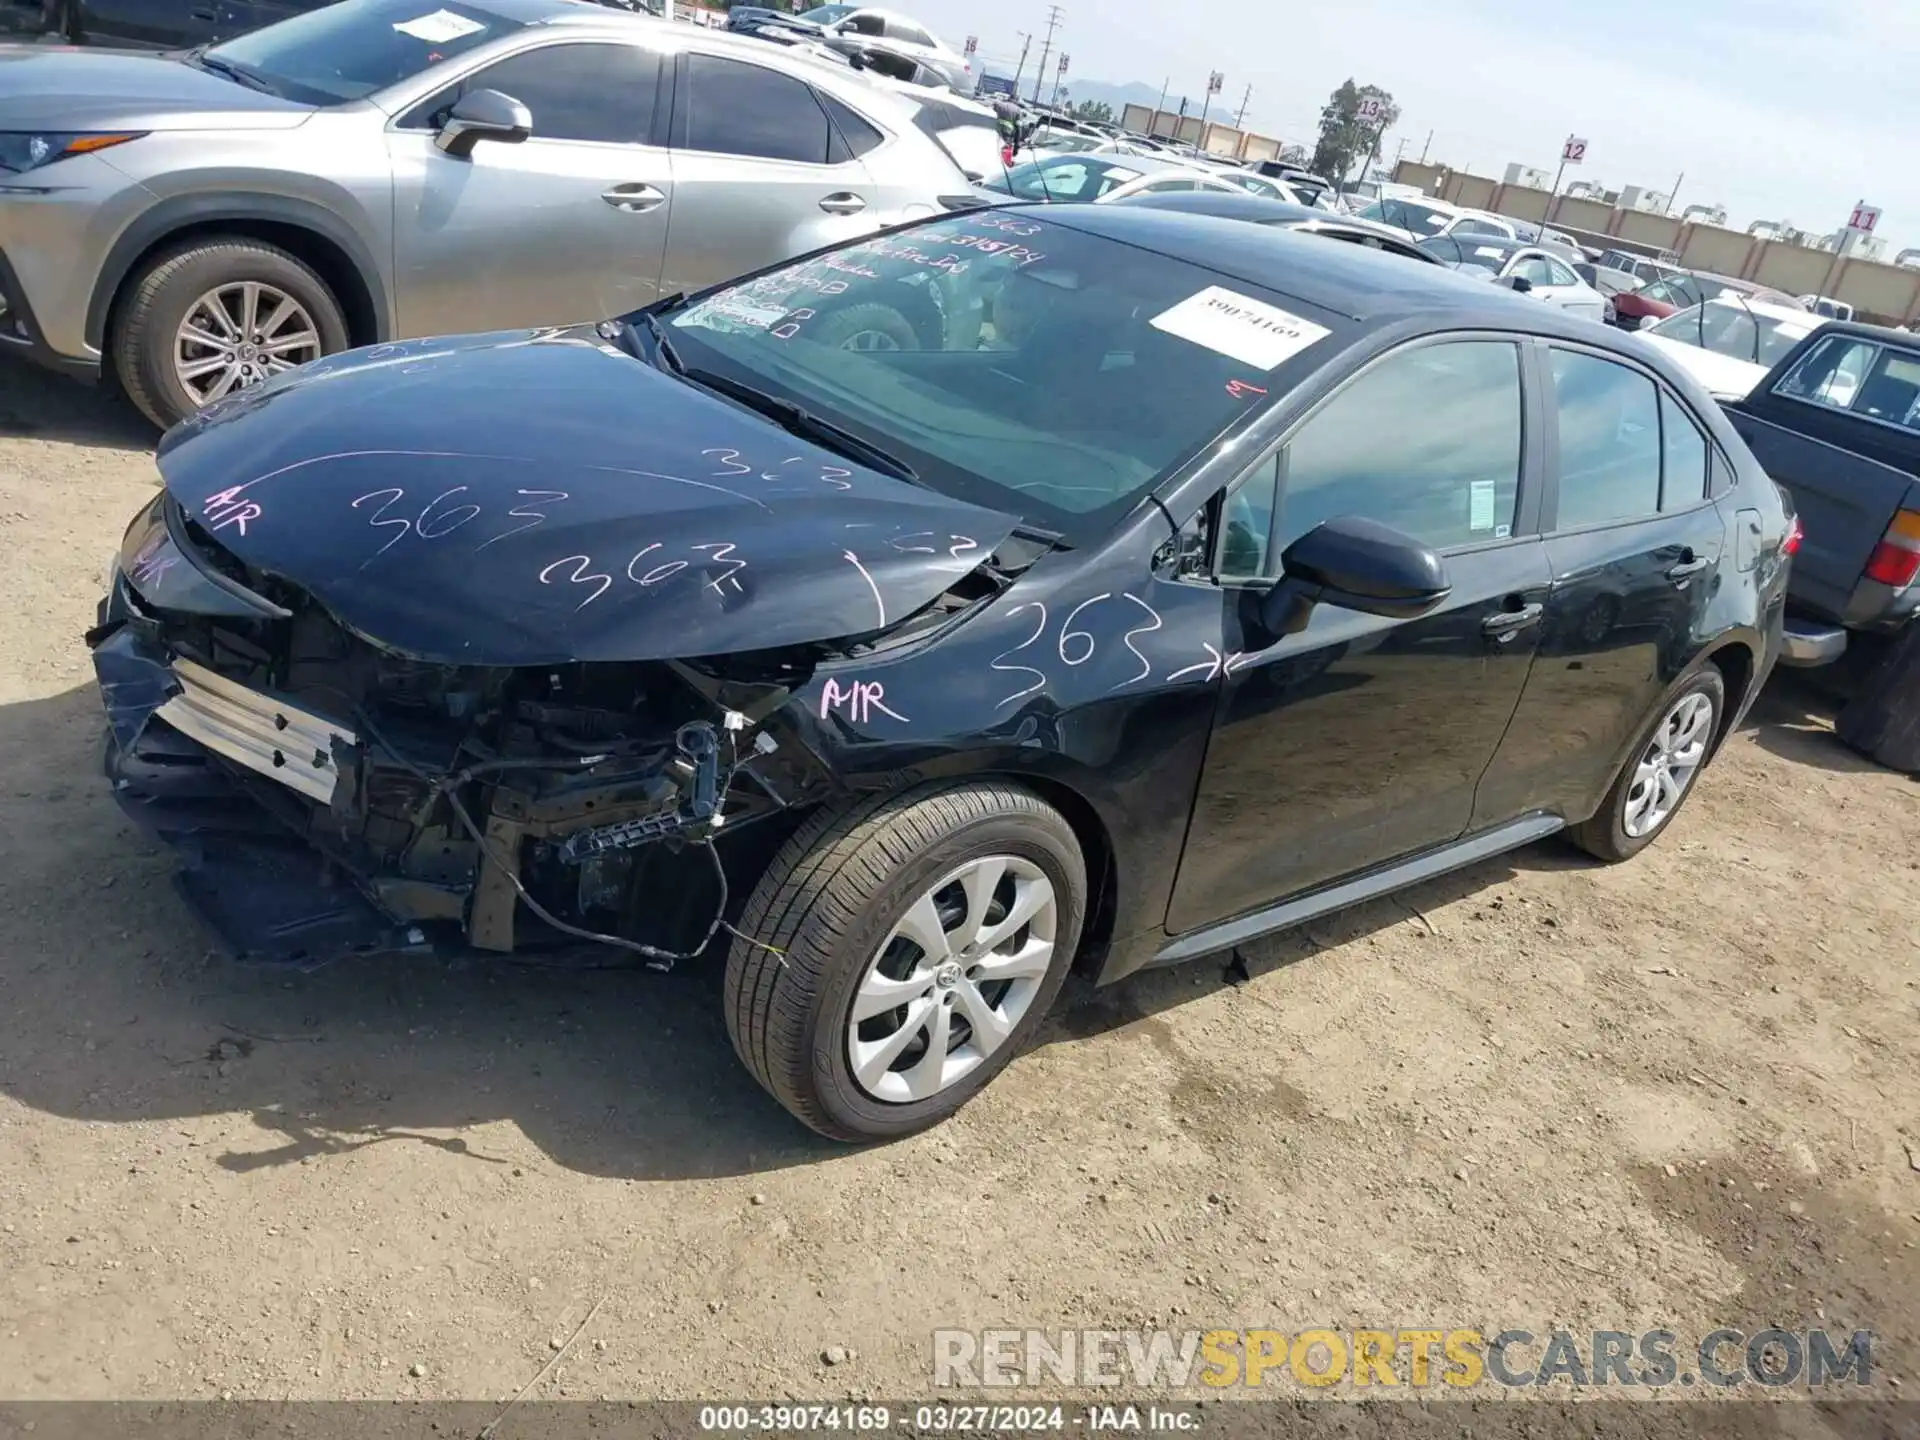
{"points": [[1785, 110]]}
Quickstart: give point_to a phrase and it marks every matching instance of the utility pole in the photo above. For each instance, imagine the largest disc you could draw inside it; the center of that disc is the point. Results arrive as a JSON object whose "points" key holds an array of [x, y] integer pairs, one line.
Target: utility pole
{"points": [[1426, 147], [1046, 45], [1674, 194], [1025, 41], [1240, 116]]}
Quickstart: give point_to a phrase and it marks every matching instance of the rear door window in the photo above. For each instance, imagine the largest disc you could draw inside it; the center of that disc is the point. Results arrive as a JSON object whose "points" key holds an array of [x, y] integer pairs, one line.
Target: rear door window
{"points": [[1683, 457], [1609, 418], [1830, 373], [739, 109]]}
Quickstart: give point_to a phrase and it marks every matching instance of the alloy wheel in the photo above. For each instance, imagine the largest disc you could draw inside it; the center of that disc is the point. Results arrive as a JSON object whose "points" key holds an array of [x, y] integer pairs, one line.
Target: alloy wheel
{"points": [[239, 334], [870, 340], [1672, 758], [953, 979]]}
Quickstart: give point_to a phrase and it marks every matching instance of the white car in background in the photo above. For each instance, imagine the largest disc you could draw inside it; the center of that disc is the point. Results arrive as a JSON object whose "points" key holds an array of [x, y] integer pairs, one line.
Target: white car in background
{"points": [[1528, 268], [1424, 219], [862, 28], [1730, 343]]}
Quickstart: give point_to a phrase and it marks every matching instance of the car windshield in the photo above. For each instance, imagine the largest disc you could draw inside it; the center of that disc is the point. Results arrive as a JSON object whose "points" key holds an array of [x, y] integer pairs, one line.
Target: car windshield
{"points": [[1064, 178], [1420, 219], [827, 14], [346, 52], [1010, 361], [1729, 328]]}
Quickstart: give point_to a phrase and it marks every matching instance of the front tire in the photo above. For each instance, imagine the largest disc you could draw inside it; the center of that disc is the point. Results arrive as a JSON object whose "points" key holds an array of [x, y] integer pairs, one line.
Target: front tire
{"points": [[1660, 771], [921, 939], [218, 316]]}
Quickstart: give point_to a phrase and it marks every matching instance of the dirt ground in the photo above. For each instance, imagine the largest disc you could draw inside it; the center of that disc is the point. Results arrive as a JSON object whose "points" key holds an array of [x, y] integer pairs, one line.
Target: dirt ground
{"points": [[1679, 1092]]}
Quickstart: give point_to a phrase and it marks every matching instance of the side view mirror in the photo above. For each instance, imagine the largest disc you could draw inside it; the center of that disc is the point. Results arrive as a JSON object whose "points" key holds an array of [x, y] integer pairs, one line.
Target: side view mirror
{"points": [[1357, 564], [1519, 284], [483, 115]]}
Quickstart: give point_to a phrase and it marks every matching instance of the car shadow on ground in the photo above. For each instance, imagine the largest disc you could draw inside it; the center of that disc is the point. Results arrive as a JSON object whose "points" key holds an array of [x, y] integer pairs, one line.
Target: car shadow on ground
{"points": [[36, 404], [1793, 718], [113, 1010]]}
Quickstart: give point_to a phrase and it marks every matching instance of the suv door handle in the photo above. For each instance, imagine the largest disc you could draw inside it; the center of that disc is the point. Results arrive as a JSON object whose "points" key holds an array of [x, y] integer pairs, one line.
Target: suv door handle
{"points": [[636, 198], [1689, 566], [1508, 623], [843, 202]]}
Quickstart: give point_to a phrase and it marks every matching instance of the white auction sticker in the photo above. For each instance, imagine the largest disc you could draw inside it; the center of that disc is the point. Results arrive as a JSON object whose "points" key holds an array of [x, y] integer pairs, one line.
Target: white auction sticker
{"points": [[1248, 330], [439, 27], [1491, 252]]}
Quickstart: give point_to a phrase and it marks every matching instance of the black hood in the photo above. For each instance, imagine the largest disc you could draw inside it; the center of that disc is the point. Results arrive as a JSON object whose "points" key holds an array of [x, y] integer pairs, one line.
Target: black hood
{"points": [[541, 497]]}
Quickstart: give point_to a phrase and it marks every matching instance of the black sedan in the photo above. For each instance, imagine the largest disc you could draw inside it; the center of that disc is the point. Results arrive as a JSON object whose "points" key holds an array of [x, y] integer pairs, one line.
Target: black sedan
{"points": [[1259, 210], [1164, 581]]}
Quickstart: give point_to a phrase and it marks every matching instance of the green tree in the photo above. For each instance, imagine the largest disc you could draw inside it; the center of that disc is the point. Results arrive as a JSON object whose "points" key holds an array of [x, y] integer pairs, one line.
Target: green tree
{"points": [[1098, 111], [1346, 139]]}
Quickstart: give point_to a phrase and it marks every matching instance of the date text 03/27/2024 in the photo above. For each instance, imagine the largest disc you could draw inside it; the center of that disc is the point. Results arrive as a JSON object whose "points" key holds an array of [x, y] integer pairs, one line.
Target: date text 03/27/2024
{"points": [[946, 1419]]}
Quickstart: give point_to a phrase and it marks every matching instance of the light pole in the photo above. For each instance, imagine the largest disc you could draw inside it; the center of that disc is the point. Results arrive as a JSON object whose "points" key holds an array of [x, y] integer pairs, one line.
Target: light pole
{"points": [[1053, 22]]}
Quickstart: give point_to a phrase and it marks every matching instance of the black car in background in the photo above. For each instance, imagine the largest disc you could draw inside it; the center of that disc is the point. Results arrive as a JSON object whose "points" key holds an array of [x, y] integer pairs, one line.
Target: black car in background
{"points": [[1164, 582]]}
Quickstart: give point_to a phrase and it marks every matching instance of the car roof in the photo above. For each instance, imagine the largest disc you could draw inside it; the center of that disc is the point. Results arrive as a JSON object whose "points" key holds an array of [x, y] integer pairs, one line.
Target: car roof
{"points": [[1862, 330], [1363, 284], [1231, 204], [1767, 308]]}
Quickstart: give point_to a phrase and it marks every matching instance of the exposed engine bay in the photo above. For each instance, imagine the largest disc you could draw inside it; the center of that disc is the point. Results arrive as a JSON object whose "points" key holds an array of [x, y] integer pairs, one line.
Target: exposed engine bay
{"points": [[334, 797], [450, 796]]}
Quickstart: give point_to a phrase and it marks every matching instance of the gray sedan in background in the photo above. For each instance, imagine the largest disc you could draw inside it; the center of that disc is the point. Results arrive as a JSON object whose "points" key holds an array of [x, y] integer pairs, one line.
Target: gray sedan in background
{"points": [[376, 169]]}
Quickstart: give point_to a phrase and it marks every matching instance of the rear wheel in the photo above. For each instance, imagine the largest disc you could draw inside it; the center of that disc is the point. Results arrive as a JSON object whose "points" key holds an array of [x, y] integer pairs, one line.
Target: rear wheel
{"points": [[1882, 720], [908, 948], [218, 316], [1659, 773]]}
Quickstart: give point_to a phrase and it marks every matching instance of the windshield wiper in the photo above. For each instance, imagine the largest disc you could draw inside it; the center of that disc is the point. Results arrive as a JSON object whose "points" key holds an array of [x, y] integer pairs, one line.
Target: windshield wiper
{"points": [[798, 420], [239, 74], [662, 346]]}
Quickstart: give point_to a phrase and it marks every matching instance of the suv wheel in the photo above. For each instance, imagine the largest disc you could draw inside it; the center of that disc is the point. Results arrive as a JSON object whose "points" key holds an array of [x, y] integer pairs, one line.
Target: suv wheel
{"points": [[1659, 773], [218, 316], [907, 949]]}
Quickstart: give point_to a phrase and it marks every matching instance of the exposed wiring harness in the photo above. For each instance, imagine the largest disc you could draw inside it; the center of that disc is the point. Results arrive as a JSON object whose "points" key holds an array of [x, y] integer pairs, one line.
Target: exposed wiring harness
{"points": [[655, 957]]}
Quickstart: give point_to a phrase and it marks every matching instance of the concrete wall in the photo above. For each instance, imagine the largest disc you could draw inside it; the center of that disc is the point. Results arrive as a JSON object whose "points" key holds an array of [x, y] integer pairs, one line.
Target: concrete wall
{"points": [[1887, 293]]}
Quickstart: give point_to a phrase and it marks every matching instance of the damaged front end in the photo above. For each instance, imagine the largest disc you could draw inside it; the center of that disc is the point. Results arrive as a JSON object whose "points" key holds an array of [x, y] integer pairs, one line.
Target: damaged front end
{"points": [[331, 797]]}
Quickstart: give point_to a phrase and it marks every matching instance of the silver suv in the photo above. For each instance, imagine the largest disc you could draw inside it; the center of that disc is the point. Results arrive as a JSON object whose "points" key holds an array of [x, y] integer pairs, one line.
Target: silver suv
{"points": [[381, 169]]}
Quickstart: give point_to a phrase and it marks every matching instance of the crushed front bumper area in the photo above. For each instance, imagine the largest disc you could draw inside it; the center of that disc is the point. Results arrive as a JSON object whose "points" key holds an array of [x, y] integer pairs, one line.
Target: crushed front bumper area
{"points": [[308, 833]]}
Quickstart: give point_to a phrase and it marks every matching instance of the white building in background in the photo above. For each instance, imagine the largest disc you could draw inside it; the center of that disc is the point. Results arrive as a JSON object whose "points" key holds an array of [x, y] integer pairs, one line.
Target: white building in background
{"points": [[1526, 175], [1706, 215], [1638, 197], [1854, 246]]}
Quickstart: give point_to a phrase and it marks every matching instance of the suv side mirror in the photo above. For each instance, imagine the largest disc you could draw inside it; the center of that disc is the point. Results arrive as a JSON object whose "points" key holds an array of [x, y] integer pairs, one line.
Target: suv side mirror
{"points": [[1357, 564], [483, 115], [1519, 284]]}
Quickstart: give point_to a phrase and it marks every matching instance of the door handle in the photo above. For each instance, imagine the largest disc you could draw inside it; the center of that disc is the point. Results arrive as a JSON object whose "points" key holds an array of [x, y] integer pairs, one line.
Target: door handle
{"points": [[1689, 566], [638, 198], [1508, 623], [843, 202]]}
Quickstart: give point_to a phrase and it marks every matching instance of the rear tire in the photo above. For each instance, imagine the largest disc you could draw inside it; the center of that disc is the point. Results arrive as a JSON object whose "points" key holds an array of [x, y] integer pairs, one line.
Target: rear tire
{"points": [[157, 302], [1636, 811], [1882, 721], [836, 901]]}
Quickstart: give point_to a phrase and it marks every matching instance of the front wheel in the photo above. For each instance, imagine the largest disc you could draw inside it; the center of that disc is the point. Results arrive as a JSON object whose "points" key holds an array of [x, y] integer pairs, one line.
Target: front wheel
{"points": [[901, 954], [217, 316], [1659, 773]]}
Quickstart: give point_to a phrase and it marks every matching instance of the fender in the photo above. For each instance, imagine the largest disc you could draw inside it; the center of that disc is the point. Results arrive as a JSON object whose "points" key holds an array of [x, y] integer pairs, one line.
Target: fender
{"points": [[181, 211]]}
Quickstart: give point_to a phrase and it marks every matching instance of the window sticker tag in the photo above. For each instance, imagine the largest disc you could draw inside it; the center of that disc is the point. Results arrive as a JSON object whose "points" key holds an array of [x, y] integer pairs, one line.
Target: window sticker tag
{"points": [[1239, 327], [1480, 499], [1491, 252], [439, 27]]}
